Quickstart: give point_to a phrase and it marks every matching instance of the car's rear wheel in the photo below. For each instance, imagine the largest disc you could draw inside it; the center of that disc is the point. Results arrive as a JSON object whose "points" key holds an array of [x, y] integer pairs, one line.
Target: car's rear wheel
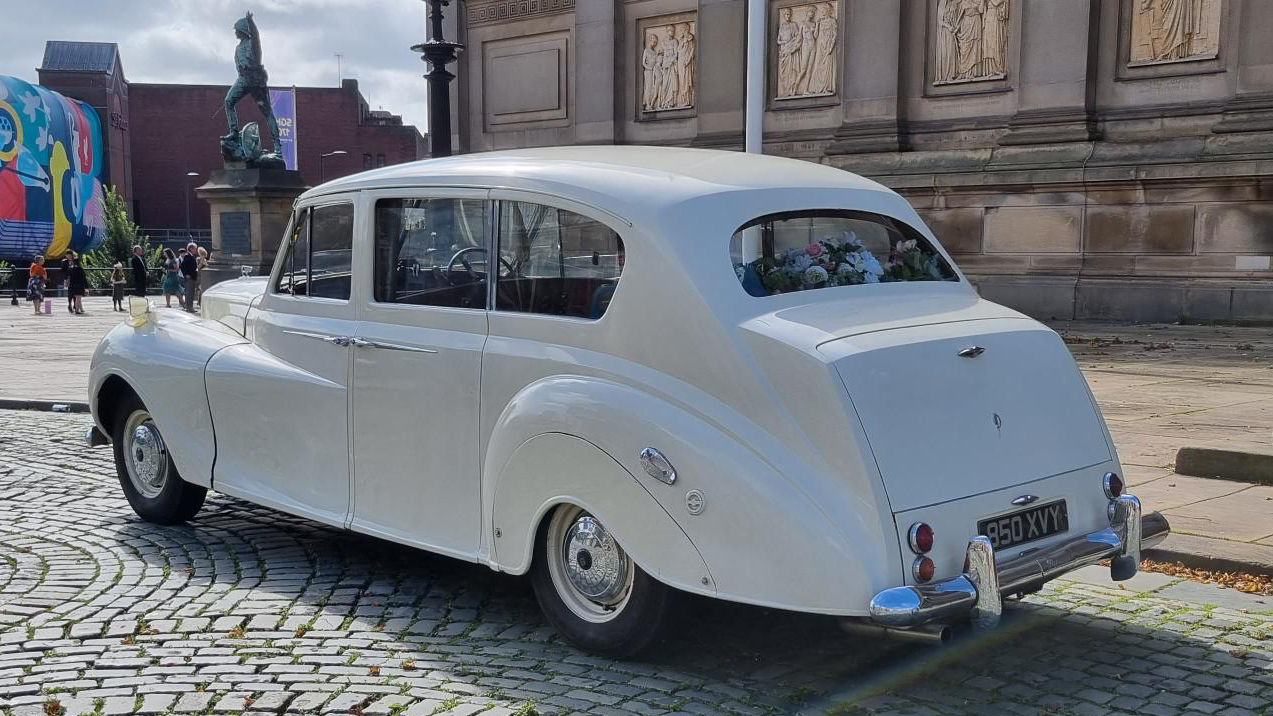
{"points": [[592, 591], [147, 474]]}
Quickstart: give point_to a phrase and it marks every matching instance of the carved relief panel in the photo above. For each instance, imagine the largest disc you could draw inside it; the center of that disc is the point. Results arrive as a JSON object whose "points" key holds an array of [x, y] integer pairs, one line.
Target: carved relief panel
{"points": [[804, 50], [667, 65], [1165, 31], [970, 41]]}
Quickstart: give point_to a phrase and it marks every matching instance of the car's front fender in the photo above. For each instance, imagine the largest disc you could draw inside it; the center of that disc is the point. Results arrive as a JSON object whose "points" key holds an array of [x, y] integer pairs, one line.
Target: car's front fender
{"points": [[162, 360], [772, 531]]}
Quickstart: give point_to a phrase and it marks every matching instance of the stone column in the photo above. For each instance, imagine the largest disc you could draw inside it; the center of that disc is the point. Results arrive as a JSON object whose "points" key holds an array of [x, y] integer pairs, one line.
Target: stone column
{"points": [[250, 211], [871, 71], [1055, 72], [722, 69], [596, 52], [1251, 109]]}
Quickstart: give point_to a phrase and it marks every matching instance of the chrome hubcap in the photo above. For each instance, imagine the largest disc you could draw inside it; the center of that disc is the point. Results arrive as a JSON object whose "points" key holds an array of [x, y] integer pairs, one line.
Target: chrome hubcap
{"points": [[592, 573], [145, 454], [594, 563]]}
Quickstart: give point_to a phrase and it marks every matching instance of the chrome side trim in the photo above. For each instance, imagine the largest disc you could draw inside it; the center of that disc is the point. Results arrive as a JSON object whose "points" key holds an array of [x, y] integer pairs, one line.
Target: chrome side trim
{"points": [[383, 345], [334, 340]]}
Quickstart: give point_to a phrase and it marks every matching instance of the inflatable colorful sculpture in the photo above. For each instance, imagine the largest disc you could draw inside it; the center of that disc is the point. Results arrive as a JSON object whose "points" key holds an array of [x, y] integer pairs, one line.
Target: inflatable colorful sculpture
{"points": [[50, 165]]}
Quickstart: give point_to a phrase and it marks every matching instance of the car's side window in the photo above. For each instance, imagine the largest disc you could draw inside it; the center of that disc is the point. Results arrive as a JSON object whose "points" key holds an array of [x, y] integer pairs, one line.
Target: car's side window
{"points": [[331, 250], [319, 253], [432, 252], [294, 278], [555, 262]]}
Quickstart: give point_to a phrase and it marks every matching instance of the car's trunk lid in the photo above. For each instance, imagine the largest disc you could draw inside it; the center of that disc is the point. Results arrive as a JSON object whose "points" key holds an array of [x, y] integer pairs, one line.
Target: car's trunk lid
{"points": [[943, 426]]}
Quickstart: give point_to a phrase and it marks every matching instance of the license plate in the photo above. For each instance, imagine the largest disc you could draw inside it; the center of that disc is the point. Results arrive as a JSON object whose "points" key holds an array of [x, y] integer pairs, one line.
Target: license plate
{"points": [[1025, 526]]}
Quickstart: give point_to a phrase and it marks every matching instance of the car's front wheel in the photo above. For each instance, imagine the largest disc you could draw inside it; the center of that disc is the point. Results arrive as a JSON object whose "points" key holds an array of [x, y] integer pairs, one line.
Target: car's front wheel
{"points": [[150, 480], [592, 591]]}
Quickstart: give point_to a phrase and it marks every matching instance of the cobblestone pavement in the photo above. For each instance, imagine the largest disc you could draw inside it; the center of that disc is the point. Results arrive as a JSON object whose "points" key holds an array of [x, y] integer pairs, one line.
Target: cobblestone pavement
{"points": [[249, 610]]}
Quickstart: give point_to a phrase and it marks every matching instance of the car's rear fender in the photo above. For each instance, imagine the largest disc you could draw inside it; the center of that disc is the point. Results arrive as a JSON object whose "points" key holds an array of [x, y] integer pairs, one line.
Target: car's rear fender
{"points": [[767, 538], [532, 484], [162, 362]]}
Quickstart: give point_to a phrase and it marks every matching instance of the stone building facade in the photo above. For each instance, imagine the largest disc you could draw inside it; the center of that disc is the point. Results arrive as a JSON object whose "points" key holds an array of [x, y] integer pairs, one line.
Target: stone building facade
{"points": [[1107, 159]]}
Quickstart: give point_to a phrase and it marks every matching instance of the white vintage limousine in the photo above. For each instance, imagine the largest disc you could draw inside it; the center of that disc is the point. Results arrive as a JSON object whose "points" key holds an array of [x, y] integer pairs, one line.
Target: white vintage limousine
{"points": [[633, 373]]}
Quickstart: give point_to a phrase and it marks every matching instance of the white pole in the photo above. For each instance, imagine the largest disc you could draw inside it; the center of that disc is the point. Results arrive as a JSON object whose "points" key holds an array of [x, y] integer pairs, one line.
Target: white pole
{"points": [[755, 75]]}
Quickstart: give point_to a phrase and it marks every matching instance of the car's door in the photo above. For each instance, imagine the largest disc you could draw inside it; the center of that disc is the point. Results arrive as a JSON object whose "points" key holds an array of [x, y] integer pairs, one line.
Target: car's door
{"points": [[280, 406], [417, 362]]}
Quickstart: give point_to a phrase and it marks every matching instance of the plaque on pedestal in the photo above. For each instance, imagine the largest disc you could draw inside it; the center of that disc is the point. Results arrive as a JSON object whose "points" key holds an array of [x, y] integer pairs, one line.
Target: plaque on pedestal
{"points": [[250, 210]]}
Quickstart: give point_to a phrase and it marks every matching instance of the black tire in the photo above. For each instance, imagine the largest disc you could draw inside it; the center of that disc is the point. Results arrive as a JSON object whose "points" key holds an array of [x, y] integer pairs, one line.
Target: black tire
{"points": [[166, 501], [621, 629]]}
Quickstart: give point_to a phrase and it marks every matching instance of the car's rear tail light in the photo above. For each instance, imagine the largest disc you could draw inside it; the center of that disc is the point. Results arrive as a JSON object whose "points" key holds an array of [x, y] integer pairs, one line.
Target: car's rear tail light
{"points": [[920, 538], [1112, 484], [923, 569]]}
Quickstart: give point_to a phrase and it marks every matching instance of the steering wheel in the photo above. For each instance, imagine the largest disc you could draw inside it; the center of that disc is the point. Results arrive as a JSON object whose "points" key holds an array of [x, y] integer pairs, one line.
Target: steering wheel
{"points": [[462, 257]]}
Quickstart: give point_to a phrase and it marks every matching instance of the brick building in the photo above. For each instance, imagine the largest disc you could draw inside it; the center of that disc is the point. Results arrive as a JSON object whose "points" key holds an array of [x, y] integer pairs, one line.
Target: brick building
{"points": [[91, 72], [157, 133]]}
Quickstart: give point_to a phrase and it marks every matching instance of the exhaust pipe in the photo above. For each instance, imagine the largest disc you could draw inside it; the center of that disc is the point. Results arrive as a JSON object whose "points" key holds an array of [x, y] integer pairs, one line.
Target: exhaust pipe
{"points": [[923, 634]]}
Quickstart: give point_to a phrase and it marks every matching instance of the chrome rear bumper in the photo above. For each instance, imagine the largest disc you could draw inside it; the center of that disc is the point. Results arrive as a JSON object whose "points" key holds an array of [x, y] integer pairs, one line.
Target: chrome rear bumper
{"points": [[979, 591]]}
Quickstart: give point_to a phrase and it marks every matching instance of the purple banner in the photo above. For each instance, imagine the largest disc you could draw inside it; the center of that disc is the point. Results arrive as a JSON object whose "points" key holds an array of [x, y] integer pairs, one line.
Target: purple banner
{"points": [[284, 103]]}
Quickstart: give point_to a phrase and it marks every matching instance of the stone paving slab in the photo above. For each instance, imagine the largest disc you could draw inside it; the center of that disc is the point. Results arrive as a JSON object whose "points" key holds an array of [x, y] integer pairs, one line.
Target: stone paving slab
{"points": [[246, 610], [46, 357]]}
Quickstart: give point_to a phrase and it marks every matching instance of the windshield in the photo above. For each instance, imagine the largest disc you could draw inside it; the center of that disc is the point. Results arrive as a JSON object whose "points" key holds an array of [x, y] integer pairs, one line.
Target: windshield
{"points": [[804, 250]]}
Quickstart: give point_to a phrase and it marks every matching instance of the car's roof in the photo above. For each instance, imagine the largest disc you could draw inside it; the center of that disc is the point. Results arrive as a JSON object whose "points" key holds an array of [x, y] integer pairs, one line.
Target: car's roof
{"points": [[609, 175]]}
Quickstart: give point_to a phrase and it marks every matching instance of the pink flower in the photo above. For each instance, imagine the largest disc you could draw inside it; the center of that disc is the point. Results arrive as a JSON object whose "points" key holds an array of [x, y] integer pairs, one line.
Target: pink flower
{"points": [[814, 249]]}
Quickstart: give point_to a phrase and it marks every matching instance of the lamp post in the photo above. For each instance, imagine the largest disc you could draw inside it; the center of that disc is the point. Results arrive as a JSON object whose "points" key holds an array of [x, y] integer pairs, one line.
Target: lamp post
{"points": [[189, 176], [322, 174], [438, 53]]}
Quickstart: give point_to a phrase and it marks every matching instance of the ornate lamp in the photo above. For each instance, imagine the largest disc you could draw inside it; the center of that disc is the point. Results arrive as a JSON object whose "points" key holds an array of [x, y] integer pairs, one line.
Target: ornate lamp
{"points": [[438, 53]]}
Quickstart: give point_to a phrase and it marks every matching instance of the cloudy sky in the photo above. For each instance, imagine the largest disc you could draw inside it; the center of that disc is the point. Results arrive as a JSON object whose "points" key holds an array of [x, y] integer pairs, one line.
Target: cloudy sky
{"points": [[191, 41]]}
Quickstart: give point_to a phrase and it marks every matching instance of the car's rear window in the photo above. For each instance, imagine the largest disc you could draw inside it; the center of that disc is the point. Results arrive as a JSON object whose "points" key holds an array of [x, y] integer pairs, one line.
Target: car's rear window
{"points": [[804, 250]]}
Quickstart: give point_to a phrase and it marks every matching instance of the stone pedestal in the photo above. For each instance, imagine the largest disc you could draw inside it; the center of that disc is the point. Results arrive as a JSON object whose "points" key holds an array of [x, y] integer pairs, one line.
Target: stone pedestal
{"points": [[250, 210]]}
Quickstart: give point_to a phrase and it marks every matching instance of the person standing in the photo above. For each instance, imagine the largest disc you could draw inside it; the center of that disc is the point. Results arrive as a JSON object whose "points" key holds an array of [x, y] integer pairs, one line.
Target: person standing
{"points": [[190, 271], [67, 258], [139, 273], [203, 264], [172, 279], [78, 285], [37, 276], [117, 286]]}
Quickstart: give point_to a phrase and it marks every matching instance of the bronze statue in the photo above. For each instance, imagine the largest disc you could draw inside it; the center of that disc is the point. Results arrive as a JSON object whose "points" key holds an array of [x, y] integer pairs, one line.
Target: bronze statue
{"points": [[253, 81]]}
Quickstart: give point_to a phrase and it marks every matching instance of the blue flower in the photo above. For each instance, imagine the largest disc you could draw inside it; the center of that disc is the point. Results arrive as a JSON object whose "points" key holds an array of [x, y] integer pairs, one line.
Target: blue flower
{"points": [[871, 265]]}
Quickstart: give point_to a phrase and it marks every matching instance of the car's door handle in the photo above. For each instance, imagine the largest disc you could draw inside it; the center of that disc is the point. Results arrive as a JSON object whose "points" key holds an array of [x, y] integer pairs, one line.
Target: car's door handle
{"points": [[361, 343], [334, 340]]}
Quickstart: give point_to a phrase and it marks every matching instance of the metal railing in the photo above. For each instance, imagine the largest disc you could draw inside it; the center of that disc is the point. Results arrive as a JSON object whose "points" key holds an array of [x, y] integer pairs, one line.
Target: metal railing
{"points": [[13, 281]]}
